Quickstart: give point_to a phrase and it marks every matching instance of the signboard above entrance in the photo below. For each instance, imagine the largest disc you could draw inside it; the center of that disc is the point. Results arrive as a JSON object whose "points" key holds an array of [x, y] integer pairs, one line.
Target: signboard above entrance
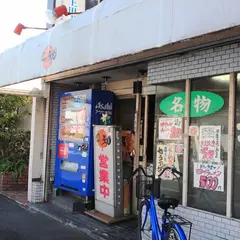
{"points": [[202, 103]]}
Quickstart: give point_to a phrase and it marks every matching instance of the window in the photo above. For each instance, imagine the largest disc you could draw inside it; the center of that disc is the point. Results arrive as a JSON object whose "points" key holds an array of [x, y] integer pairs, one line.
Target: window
{"points": [[208, 144], [236, 166], [91, 3], [165, 142]]}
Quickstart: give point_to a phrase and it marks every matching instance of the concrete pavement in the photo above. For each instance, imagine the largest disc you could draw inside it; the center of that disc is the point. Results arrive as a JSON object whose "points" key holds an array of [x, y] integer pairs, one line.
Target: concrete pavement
{"points": [[17, 223]]}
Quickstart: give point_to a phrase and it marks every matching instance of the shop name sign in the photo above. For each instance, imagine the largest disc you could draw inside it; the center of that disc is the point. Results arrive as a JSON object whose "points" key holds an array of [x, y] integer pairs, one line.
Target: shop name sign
{"points": [[202, 103]]}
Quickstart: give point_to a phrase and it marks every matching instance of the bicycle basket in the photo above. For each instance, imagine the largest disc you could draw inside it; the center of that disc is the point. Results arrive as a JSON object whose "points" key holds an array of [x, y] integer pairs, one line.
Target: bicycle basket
{"points": [[144, 186]]}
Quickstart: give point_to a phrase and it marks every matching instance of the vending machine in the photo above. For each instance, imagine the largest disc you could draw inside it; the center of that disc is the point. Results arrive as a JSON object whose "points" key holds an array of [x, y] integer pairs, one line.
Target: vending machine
{"points": [[78, 112]]}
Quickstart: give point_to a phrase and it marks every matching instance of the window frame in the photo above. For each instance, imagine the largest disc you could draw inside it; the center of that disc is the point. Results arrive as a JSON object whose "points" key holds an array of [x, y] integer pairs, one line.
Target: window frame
{"points": [[231, 132]]}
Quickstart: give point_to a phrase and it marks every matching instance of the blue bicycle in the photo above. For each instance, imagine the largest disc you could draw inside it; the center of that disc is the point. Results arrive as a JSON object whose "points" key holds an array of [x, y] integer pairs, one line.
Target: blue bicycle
{"points": [[148, 189]]}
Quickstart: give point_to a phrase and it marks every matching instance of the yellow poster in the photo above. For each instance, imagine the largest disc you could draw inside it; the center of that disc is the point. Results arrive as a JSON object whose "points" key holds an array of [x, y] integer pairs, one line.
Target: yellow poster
{"points": [[165, 157]]}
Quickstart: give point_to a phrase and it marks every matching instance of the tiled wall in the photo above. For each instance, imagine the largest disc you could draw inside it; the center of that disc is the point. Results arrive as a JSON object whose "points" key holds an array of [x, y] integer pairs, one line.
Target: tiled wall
{"points": [[207, 226], [38, 187], [57, 89], [213, 61]]}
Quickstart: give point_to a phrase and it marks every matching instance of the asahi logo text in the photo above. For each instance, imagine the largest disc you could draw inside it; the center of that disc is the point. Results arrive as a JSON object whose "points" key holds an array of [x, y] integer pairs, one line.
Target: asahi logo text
{"points": [[104, 106]]}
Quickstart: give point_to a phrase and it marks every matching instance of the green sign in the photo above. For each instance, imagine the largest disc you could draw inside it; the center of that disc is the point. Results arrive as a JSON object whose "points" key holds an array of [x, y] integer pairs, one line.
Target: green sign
{"points": [[202, 103]]}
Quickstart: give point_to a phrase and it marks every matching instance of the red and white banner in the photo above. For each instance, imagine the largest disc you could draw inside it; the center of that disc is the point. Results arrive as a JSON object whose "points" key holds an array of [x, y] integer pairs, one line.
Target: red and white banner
{"points": [[103, 164]]}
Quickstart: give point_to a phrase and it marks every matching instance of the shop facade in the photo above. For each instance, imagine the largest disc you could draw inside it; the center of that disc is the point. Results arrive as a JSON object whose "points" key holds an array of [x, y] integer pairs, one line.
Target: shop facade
{"points": [[125, 108], [186, 71], [196, 125]]}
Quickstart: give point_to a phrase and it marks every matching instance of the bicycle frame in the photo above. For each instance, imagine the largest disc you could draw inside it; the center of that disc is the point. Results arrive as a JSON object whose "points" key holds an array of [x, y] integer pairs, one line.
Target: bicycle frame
{"points": [[157, 232]]}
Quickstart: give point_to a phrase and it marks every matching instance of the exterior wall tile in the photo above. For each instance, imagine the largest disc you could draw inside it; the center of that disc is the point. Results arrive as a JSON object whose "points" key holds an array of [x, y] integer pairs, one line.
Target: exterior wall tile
{"points": [[37, 187], [206, 225], [218, 60], [57, 89]]}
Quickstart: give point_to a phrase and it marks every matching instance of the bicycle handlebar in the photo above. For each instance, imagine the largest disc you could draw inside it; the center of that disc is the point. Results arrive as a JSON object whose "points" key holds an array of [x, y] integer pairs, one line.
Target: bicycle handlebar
{"points": [[139, 169], [143, 171]]}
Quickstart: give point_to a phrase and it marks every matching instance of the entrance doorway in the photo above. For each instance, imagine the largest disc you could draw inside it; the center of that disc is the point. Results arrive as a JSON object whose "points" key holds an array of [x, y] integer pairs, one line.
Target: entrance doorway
{"points": [[125, 117]]}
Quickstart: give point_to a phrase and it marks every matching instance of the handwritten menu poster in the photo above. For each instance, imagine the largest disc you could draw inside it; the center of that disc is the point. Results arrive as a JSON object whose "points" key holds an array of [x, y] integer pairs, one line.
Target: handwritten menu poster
{"points": [[170, 128], [210, 143], [209, 176], [165, 157]]}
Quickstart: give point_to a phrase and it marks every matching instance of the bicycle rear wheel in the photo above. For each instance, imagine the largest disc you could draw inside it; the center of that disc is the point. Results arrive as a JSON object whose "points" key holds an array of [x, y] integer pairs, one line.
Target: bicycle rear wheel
{"points": [[173, 234], [144, 221]]}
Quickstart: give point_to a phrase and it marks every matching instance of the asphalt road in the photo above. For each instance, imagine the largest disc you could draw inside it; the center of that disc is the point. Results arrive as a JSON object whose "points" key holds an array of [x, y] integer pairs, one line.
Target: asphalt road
{"points": [[17, 223]]}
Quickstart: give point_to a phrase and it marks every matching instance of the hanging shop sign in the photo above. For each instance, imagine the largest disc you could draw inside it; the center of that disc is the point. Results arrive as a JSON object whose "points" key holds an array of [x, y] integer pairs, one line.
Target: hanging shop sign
{"points": [[210, 143], [209, 176], [165, 157], [170, 128], [202, 103]]}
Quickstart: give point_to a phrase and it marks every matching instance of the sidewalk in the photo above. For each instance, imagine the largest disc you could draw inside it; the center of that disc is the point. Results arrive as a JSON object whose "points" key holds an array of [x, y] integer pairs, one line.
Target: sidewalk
{"points": [[90, 226], [19, 223]]}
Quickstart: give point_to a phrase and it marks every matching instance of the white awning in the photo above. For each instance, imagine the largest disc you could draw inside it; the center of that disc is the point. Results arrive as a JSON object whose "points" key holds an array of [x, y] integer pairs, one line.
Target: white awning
{"points": [[112, 29]]}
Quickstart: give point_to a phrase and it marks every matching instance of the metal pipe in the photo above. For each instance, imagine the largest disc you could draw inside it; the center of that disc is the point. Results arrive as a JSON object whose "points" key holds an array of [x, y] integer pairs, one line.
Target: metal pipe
{"points": [[186, 143], [231, 123], [47, 152], [36, 28], [145, 133], [137, 145]]}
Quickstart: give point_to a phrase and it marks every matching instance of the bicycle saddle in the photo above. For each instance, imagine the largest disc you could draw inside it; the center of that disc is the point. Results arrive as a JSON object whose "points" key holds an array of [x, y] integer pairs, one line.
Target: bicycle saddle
{"points": [[166, 203]]}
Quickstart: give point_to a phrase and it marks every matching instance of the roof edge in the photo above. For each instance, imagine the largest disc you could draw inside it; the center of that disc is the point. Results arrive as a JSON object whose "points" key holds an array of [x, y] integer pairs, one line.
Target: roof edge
{"points": [[221, 37]]}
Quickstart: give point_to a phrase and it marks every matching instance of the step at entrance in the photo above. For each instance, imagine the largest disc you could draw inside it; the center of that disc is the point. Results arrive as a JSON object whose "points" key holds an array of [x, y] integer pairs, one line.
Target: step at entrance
{"points": [[72, 204]]}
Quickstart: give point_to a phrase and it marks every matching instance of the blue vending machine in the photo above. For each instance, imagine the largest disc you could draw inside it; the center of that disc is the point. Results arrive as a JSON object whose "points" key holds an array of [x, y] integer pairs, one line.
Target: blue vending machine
{"points": [[78, 112]]}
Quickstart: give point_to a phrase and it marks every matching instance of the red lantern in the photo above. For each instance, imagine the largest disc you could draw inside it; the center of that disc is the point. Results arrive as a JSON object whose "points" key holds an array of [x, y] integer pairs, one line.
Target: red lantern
{"points": [[18, 29]]}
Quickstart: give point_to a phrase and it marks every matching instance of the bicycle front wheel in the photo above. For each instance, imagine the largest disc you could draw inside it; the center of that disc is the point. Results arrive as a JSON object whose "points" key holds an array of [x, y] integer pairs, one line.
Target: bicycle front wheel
{"points": [[144, 221], [173, 234]]}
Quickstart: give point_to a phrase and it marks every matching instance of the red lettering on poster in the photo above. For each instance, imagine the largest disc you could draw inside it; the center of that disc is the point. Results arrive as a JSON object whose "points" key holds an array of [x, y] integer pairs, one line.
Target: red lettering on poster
{"points": [[207, 154], [209, 183], [175, 132], [104, 176], [103, 161], [62, 150], [104, 190]]}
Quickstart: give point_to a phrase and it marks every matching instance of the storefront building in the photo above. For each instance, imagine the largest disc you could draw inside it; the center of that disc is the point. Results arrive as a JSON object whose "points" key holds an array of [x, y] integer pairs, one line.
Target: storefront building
{"points": [[188, 65], [197, 125]]}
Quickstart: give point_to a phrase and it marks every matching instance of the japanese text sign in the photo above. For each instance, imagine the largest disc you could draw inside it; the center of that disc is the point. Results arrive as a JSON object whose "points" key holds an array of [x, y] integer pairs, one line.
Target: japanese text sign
{"points": [[103, 171], [202, 103], [170, 128], [164, 158], [210, 143], [209, 176]]}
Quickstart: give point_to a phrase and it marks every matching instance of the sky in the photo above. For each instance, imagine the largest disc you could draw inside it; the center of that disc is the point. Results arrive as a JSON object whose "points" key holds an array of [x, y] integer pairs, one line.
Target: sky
{"points": [[28, 12]]}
